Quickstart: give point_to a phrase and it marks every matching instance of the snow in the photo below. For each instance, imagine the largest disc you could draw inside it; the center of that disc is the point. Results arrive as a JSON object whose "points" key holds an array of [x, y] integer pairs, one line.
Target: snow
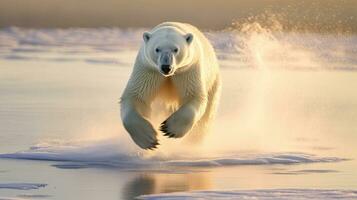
{"points": [[106, 153], [269, 194], [115, 46]]}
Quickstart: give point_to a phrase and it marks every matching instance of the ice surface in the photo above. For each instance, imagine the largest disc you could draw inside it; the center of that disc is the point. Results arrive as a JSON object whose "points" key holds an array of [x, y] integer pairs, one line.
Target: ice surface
{"points": [[106, 153], [305, 171], [34, 196], [22, 186], [273, 194]]}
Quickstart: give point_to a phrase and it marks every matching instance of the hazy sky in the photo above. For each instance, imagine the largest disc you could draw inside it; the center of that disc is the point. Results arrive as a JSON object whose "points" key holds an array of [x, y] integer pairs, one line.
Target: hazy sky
{"points": [[145, 13]]}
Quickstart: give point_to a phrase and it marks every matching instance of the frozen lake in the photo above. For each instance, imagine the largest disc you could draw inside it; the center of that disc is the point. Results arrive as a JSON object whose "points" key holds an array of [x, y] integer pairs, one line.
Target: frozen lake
{"points": [[287, 119]]}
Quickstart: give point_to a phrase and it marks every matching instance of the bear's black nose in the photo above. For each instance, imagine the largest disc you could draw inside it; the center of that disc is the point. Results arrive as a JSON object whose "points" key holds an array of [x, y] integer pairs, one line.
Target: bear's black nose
{"points": [[166, 68]]}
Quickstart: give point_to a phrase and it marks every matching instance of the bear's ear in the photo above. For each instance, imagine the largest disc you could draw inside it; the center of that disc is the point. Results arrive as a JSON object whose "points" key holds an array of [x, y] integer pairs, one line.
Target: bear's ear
{"points": [[189, 38], [146, 36]]}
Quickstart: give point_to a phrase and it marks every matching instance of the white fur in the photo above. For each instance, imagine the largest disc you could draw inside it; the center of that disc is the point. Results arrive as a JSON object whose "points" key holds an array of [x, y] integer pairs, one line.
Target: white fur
{"points": [[194, 85]]}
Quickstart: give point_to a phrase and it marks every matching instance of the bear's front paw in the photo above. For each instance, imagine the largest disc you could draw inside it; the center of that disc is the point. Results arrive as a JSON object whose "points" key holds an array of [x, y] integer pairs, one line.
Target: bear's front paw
{"points": [[175, 128], [145, 137], [147, 143], [142, 132]]}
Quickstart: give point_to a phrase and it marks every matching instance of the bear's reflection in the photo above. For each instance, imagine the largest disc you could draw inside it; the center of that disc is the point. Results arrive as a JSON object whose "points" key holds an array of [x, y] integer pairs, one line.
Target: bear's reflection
{"points": [[150, 183]]}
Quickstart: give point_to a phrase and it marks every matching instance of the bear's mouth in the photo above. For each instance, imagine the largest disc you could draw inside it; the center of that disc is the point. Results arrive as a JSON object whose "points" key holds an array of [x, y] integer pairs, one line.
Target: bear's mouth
{"points": [[167, 74]]}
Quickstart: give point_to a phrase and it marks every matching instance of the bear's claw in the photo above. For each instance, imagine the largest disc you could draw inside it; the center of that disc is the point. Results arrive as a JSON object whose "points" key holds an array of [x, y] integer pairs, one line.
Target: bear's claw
{"points": [[163, 128], [154, 145]]}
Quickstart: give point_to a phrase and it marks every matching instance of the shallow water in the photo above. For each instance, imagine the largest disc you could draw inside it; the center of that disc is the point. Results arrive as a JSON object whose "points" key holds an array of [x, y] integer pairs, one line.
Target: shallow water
{"points": [[286, 120]]}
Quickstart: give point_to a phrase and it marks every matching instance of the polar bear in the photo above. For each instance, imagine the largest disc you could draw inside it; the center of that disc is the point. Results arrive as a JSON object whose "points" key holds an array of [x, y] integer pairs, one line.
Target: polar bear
{"points": [[176, 65]]}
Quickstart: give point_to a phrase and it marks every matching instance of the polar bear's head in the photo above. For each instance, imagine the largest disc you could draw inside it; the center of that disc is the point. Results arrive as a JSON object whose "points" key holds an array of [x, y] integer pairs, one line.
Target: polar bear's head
{"points": [[168, 50]]}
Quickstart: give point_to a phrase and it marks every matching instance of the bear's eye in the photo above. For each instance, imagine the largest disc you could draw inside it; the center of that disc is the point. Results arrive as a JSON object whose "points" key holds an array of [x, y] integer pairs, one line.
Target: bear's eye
{"points": [[175, 50], [157, 50]]}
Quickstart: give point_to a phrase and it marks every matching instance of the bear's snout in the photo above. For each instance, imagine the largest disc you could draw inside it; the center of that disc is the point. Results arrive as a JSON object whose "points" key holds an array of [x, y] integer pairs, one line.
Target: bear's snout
{"points": [[166, 69], [166, 62]]}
